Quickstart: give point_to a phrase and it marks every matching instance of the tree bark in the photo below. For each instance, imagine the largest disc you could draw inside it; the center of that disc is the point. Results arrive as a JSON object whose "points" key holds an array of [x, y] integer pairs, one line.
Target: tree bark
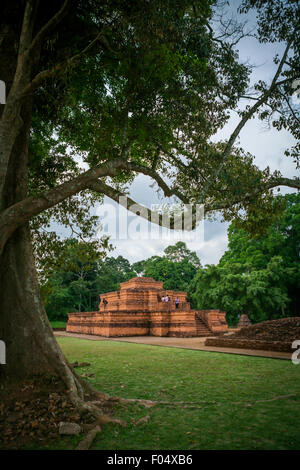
{"points": [[31, 348], [32, 351]]}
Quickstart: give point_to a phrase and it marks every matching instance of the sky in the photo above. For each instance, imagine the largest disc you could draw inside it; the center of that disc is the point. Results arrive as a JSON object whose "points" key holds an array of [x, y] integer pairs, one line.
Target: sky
{"points": [[210, 239]]}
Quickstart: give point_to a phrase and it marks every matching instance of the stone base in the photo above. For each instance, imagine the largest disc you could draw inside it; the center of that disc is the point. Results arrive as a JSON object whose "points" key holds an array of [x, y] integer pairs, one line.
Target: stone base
{"points": [[137, 323], [180, 324]]}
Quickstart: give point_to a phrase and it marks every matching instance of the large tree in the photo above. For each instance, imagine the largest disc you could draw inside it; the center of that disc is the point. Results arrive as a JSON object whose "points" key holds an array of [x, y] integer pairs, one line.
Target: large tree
{"points": [[129, 87], [76, 74]]}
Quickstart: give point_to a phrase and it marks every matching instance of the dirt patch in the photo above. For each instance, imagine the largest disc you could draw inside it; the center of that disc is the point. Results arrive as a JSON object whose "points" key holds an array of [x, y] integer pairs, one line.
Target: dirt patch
{"points": [[31, 412]]}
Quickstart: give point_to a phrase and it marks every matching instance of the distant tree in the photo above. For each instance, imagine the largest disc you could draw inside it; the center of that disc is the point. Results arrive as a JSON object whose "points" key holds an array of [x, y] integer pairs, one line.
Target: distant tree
{"points": [[139, 267], [57, 298], [111, 272], [236, 289], [179, 252], [176, 268], [71, 278]]}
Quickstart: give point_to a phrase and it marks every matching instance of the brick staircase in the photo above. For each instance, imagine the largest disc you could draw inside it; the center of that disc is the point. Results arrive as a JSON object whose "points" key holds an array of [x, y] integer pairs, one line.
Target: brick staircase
{"points": [[201, 327]]}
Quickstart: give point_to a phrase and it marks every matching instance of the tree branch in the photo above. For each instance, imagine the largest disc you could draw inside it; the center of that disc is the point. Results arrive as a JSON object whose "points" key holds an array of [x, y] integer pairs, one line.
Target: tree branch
{"points": [[27, 26], [255, 107], [272, 183], [130, 204], [282, 181], [48, 73], [19, 213], [248, 115], [168, 192], [169, 221], [54, 21]]}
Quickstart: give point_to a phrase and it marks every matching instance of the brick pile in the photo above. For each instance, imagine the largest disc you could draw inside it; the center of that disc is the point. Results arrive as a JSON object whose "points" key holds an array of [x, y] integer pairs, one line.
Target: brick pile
{"points": [[272, 335]]}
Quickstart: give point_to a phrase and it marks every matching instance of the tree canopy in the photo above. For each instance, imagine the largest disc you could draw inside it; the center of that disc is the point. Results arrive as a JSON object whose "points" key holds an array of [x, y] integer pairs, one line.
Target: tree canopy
{"points": [[142, 88]]}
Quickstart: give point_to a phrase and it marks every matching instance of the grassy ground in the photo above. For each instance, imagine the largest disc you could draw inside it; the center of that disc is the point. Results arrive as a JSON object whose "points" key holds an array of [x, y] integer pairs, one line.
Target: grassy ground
{"points": [[237, 397], [58, 324]]}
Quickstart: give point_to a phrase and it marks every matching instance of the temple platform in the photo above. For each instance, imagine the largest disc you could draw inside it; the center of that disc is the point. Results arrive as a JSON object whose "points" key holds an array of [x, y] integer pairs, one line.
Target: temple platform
{"points": [[137, 309]]}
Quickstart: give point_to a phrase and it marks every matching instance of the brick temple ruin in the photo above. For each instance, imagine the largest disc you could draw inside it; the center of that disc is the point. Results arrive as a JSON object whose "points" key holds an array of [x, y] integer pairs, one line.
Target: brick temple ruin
{"points": [[137, 309]]}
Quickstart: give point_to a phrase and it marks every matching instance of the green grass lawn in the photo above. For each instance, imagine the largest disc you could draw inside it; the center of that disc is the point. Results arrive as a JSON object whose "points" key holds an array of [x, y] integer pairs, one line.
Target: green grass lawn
{"points": [[58, 324], [228, 388]]}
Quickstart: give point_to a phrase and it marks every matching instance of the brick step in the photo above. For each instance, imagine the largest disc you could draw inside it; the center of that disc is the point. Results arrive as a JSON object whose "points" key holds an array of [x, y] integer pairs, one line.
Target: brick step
{"points": [[201, 328]]}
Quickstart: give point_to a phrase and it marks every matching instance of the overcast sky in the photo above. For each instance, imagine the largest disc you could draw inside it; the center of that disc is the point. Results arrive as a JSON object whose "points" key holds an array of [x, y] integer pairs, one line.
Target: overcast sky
{"points": [[267, 145]]}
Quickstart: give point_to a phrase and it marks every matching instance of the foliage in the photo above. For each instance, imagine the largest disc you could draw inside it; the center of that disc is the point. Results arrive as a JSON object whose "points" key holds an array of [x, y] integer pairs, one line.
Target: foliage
{"points": [[149, 83], [113, 271], [176, 268], [179, 252], [260, 276], [71, 284], [79, 277], [260, 293], [128, 97], [278, 22], [152, 84]]}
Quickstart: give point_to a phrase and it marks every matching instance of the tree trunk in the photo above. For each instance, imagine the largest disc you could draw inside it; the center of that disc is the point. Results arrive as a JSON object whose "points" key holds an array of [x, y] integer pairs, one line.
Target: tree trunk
{"points": [[31, 348]]}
